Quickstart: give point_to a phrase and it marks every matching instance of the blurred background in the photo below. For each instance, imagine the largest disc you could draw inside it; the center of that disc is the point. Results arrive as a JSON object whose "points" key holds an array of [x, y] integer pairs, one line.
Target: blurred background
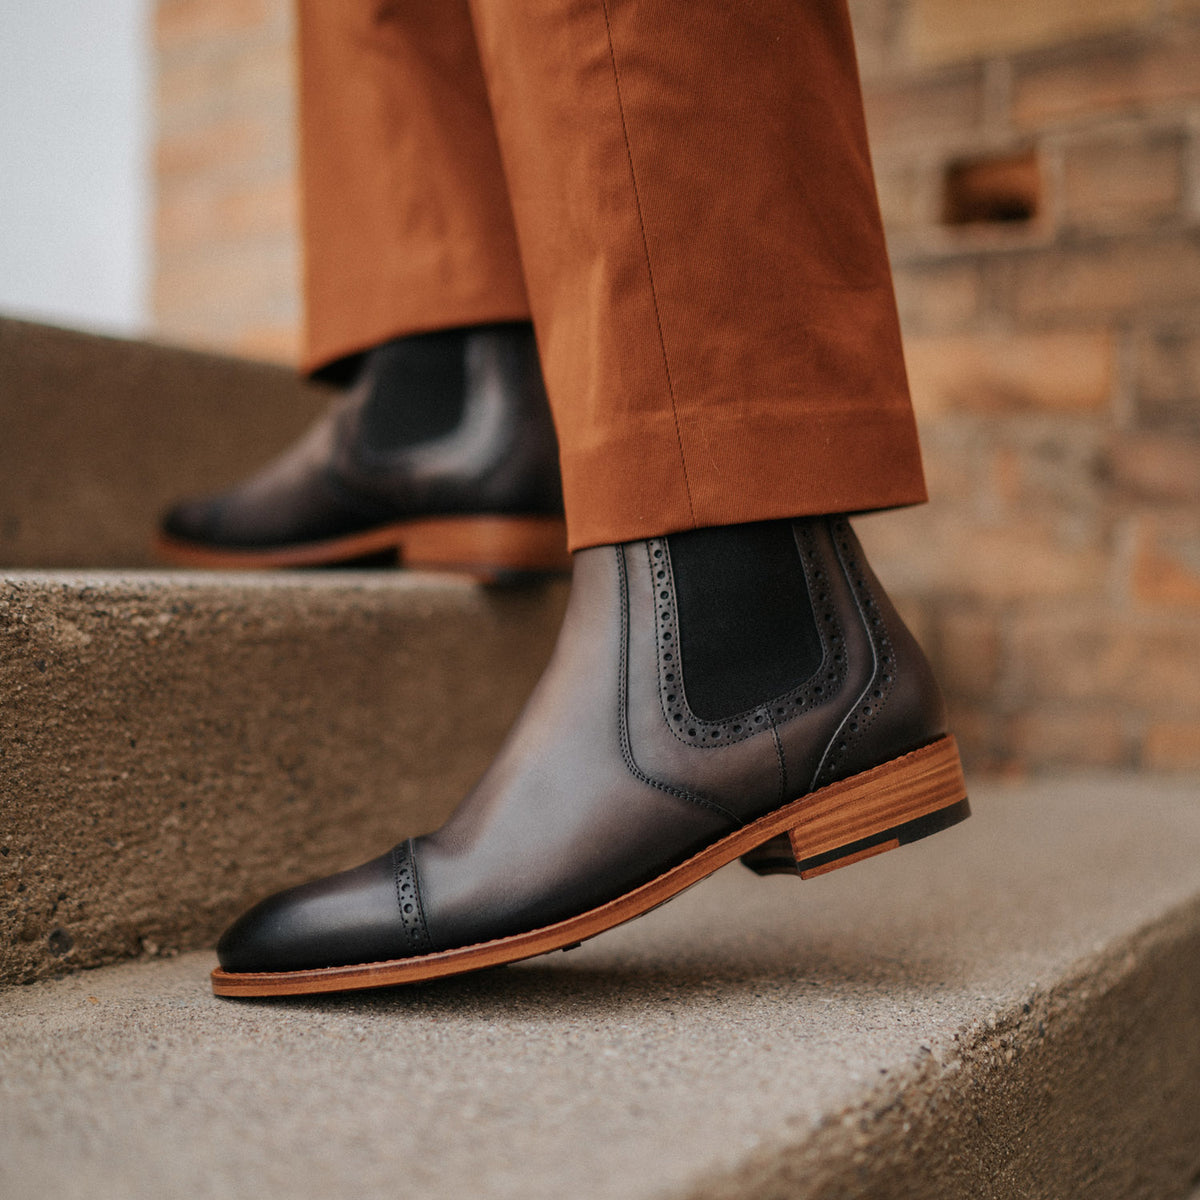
{"points": [[76, 142], [1038, 165]]}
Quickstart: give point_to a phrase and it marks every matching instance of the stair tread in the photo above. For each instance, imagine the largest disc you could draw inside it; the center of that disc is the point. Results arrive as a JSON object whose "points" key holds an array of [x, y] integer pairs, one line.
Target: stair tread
{"points": [[156, 726], [417, 583], [111, 431], [1009, 1008]]}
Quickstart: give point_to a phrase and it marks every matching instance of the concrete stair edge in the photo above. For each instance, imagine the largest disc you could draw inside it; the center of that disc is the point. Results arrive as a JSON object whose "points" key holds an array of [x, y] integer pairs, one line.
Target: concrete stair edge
{"points": [[944, 1021], [173, 745], [1020, 1098], [103, 433]]}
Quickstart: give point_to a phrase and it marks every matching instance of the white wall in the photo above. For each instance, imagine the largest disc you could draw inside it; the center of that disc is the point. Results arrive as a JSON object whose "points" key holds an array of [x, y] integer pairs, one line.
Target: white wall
{"points": [[75, 188]]}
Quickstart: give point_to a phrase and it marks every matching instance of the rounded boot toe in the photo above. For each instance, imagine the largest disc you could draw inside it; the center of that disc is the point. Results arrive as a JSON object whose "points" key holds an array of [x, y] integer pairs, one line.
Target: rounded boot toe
{"points": [[194, 520], [352, 917]]}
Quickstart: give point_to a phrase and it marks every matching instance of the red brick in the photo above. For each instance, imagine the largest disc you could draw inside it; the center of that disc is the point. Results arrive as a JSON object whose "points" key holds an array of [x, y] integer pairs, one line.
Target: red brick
{"points": [[945, 30], [1155, 467], [1166, 567], [1168, 375], [1172, 746], [900, 188], [199, 216], [1097, 657], [210, 150], [944, 109], [1120, 180], [1067, 371], [214, 83], [969, 653], [251, 270], [874, 35], [271, 206], [180, 22], [945, 550], [1008, 477], [271, 343], [1051, 736], [981, 738], [955, 462], [210, 297], [1109, 78], [1111, 278], [1042, 470], [938, 297], [917, 614]]}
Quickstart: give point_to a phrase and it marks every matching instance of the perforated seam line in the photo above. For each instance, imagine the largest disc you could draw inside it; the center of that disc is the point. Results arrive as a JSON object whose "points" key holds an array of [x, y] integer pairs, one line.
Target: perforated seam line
{"points": [[404, 868], [712, 735], [670, 664], [623, 703]]}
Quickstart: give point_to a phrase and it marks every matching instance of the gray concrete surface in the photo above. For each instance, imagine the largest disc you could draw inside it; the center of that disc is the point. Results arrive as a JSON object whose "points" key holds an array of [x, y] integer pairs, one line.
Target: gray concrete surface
{"points": [[98, 435], [173, 744], [1008, 1009]]}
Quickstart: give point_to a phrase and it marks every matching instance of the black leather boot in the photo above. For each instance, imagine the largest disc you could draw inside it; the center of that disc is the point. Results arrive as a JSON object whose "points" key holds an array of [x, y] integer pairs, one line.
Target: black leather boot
{"points": [[742, 691], [442, 455]]}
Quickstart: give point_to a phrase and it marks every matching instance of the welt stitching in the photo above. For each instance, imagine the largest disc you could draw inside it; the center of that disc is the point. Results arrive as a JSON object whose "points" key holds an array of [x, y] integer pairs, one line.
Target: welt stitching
{"points": [[637, 199], [622, 704]]}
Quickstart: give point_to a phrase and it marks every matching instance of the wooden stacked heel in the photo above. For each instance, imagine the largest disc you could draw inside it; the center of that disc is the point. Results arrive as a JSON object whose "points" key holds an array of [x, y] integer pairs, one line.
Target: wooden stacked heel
{"points": [[890, 806]]}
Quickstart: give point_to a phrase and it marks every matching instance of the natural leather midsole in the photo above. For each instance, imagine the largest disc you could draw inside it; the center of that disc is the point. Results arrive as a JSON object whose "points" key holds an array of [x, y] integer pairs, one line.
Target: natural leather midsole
{"points": [[839, 814]]}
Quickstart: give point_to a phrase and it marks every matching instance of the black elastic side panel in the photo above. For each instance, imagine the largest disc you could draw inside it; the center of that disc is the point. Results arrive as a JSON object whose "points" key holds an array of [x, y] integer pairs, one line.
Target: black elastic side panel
{"points": [[746, 627], [417, 389]]}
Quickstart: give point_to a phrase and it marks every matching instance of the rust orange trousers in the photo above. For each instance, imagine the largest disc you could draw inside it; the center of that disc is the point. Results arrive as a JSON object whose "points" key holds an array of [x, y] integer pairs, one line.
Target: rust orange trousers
{"points": [[678, 194]]}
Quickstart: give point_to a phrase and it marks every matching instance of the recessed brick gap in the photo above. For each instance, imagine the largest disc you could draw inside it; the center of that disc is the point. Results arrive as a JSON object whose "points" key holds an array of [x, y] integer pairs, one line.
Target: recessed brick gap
{"points": [[999, 189]]}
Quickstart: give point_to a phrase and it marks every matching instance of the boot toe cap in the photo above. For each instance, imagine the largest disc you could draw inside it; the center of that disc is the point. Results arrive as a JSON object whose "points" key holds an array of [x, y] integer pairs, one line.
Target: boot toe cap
{"points": [[194, 520], [349, 918]]}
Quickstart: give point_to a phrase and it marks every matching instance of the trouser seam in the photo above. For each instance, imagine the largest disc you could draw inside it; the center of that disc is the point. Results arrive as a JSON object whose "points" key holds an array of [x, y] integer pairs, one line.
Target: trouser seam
{"points": [[637, 199]]}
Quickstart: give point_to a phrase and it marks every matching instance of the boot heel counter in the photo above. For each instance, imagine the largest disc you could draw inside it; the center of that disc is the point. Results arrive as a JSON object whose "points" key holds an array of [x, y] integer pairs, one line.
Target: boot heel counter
{"points": [[524, 474], [918, 707], [909, 710]]}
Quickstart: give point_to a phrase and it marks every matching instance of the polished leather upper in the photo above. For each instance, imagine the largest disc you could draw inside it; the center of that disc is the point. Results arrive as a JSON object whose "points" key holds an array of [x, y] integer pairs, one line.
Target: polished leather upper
{"points": [[608, 777], [501, 458]]}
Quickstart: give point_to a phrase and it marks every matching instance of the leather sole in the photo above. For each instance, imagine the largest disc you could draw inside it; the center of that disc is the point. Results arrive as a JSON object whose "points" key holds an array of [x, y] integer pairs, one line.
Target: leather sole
{"points": [[490, 549], [832, 827]]}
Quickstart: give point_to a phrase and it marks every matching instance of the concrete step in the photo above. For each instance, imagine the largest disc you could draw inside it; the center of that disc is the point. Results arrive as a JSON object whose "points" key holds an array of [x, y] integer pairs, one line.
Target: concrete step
{"points": [[174, 744], [1010, 1009], [98, 435]]}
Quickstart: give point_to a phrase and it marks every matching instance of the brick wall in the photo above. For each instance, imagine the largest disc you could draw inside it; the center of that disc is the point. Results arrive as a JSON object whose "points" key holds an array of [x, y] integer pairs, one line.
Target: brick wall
{"points": [[1039, 171], [227, 256], [1054, 354]]}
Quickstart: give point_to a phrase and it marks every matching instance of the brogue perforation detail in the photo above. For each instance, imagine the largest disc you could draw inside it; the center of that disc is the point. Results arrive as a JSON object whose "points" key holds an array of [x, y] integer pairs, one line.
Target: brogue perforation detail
{"points": [[683, 723], [408, 900], [875, 694], [623, 721]]}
